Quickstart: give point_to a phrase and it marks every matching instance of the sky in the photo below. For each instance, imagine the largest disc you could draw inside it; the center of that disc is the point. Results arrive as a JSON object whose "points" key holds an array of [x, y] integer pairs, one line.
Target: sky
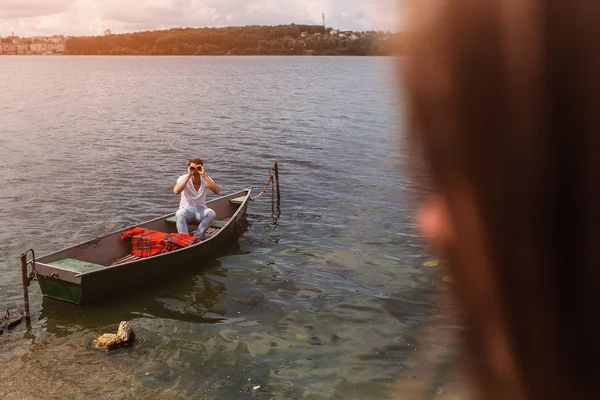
{"points": [[91, 17]]}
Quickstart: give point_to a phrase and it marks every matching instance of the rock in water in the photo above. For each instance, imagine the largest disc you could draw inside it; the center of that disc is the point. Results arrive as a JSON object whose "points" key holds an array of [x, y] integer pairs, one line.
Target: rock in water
{"points": [[110, 341], [11, 319], [125, 333]]}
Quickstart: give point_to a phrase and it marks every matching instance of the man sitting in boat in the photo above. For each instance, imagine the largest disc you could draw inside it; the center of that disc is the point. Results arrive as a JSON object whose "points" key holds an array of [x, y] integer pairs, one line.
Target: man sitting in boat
{"points": [[192, 207]]}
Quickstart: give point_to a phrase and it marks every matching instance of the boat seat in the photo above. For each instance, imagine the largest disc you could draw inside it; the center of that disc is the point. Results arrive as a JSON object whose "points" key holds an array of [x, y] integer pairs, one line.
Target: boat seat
{"points": [[215, 224], [71, 264], [238, 200]]}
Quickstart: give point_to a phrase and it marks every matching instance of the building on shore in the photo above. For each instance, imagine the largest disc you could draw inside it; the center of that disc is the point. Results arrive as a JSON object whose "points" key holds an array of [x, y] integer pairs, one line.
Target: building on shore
{"points": [[39, 46], [9, 48], [14, 45]]}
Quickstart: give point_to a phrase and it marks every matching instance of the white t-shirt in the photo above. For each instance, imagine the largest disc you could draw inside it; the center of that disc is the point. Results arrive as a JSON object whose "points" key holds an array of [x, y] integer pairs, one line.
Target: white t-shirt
{"points": [[190, 197]]}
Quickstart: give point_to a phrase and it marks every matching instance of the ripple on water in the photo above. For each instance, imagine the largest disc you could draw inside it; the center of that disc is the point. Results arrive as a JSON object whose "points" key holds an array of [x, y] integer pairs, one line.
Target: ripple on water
{"points": [[323, 297]]}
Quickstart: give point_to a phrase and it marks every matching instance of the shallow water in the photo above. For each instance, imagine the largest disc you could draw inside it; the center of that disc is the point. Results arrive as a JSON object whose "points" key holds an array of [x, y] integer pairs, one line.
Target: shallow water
{"points": [[323, 298]]}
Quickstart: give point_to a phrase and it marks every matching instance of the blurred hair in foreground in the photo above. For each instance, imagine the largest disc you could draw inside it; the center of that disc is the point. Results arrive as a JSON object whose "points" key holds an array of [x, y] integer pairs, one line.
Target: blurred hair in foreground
{"points": [[504, 104]]}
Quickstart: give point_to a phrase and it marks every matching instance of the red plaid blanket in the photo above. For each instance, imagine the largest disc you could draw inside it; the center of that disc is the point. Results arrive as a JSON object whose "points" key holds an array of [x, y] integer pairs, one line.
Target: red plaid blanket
{"points": [[146, 243]]}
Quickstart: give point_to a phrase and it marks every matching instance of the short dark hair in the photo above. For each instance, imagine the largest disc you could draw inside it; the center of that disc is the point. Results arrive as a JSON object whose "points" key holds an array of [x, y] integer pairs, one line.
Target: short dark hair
{"points": [[197, 161]]}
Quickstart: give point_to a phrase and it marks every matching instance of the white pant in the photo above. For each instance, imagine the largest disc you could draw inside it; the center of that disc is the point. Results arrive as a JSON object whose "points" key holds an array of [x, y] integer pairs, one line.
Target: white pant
{"points": [[205, 216]]}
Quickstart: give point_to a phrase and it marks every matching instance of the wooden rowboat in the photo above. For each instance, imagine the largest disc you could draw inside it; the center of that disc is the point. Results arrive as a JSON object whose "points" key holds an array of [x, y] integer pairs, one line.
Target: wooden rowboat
{"points": [[90, 270]]}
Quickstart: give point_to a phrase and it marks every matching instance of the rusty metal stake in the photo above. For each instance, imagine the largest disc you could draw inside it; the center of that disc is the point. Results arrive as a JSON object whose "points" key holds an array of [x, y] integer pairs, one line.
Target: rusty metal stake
{"points": [[26, 282], [277, 181]]}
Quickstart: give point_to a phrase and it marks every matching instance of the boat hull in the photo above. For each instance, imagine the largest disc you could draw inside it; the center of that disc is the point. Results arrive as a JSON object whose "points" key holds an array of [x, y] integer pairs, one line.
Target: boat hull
{"points": [[81, 288]]}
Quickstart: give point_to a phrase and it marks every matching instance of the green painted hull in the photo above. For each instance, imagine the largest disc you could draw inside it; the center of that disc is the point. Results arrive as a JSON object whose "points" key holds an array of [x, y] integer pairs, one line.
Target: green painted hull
{"points": [[61, 290]]}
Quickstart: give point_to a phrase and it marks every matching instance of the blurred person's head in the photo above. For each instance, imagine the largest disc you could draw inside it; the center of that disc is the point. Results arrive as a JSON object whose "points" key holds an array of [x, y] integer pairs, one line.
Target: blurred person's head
{"points": [[504, 102]]}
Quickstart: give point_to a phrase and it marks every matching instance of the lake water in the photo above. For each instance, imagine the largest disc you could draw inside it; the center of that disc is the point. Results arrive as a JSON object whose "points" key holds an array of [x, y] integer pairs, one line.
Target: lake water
{"points": [[327, 298]]}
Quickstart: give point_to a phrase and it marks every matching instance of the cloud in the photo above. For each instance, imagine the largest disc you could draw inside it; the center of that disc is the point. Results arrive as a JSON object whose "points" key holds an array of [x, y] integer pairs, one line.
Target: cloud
{"points": [[92, 17], [16, 9]]}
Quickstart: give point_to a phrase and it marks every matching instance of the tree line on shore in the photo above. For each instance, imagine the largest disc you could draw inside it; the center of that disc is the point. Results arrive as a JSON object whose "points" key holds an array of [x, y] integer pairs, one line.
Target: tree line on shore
{"points": [[248, 40]]}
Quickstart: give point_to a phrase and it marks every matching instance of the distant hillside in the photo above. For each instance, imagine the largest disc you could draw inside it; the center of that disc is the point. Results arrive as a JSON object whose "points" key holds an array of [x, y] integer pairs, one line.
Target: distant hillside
{"points": [[248, 40]]}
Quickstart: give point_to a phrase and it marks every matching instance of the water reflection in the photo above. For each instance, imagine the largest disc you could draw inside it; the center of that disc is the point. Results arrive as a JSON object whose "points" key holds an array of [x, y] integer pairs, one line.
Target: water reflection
{"points": [[191, 298], [275, 211]]}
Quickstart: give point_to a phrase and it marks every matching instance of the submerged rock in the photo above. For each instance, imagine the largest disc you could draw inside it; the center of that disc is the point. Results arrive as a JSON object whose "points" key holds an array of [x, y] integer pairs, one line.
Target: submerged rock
{"points": [[110, 341], [11, 319]]}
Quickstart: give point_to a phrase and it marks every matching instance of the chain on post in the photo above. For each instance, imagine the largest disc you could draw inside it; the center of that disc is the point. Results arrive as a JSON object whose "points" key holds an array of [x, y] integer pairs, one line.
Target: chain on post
{"points": [[269, 181]]}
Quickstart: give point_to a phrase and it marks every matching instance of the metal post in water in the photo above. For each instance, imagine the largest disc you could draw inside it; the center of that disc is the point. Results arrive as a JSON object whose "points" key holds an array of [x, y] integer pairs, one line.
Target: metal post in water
{"points": [[25, 285], [277, 181]]}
